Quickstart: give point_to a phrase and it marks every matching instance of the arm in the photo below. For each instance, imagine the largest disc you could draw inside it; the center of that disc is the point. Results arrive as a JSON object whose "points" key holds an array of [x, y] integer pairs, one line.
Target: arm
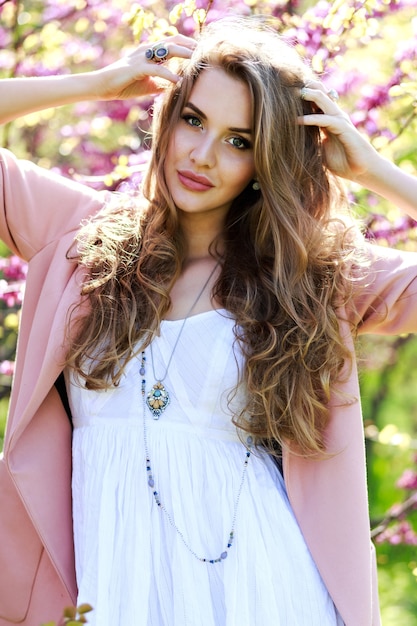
{"points": [[37, 206], [130, 77], [350, 155], [389, 181], [385, 300]]}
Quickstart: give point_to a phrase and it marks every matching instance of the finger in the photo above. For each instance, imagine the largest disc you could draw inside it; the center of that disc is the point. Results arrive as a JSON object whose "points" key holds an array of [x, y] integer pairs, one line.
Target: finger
{"points": [[317, 119], [183, 40], [176, 44], [316, 84], [163, 73], [336, 125], [145, 63], [146, 53], [160, 53], [159, 68], [321, 98], [179, 50]]}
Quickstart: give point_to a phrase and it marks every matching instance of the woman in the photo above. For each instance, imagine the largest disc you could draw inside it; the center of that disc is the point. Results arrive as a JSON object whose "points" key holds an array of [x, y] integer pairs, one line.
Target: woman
{"points": [[218, 465]]}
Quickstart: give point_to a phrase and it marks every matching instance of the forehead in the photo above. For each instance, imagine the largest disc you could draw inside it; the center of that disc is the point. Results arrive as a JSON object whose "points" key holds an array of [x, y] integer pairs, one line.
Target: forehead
{"points": [[223, 97]]}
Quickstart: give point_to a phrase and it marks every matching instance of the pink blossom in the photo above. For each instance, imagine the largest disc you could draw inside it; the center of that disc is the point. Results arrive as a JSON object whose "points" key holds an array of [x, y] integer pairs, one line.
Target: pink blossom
{"points": [[7, 368], [408, 480], [399, 533], [13, 268]]}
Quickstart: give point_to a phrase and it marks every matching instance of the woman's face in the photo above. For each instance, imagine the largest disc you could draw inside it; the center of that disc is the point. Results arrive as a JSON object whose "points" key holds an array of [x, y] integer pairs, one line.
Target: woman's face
{"points": [[210, 156]]}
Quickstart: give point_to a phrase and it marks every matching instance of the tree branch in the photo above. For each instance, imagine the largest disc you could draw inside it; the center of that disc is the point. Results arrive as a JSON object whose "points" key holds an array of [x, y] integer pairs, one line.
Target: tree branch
{"points": [[400, 510]]}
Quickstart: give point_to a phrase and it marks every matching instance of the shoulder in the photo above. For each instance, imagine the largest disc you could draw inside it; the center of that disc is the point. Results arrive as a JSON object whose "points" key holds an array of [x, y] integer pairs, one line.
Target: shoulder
{"points": [[38, 206], [28, 177], [385, 290]]}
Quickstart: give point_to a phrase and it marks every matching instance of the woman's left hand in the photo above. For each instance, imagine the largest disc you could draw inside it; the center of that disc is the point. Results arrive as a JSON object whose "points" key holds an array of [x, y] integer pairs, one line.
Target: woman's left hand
{"points": [[348, 154]]}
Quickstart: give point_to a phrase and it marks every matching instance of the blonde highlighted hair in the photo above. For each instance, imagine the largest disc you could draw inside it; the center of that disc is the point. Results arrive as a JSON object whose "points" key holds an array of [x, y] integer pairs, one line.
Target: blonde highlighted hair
{"points": [[285, 259]]}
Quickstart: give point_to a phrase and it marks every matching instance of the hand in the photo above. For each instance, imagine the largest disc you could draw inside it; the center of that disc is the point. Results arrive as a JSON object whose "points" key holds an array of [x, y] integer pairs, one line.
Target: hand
{"points": [[135, 75], [348, 154]]}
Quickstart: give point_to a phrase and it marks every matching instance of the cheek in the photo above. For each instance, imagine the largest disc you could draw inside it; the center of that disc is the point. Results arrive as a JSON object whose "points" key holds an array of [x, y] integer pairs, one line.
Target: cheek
{"points": [[172, 158], [178, 143], [170, 153], [244, 173], [176, 155]]}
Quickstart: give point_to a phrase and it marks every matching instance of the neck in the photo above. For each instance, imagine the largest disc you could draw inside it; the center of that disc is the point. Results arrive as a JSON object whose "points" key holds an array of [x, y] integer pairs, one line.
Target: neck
{"points": [[200, 232], [185, 293]]}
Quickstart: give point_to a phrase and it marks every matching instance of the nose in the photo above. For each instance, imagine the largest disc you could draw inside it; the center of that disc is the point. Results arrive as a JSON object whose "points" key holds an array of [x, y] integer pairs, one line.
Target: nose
{"points": [[203, 152]]}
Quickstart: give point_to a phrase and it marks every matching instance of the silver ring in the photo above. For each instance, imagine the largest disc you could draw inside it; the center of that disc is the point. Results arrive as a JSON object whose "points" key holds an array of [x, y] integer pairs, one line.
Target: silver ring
{"points": [[158, 53], [333, 95]]}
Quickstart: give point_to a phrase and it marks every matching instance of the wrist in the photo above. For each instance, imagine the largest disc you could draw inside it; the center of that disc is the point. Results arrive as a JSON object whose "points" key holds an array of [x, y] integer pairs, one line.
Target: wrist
{"points": [[376, 173], [392, 183]]}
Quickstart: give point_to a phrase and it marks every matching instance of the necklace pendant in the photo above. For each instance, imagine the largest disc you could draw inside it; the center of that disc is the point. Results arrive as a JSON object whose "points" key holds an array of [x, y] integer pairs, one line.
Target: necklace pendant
{"points": [[157, 400]]}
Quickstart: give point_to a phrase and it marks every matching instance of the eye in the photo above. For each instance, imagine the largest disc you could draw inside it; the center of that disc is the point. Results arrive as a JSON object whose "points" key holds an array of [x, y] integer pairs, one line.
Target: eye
{"points": [[239, 143], [191, 120]]}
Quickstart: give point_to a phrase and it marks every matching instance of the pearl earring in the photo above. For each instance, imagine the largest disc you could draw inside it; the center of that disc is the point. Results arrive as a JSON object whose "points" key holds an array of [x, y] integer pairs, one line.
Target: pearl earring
{"points": [[255, 185]]}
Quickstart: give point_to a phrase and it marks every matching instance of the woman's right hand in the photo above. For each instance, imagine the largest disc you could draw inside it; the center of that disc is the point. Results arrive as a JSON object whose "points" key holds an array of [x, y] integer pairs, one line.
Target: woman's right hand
{"points": [[134, 75]]}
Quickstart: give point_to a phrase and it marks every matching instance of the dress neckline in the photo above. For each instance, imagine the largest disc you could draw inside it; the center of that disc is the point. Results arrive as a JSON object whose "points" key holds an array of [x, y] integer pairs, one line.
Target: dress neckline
{"points": [[220, 311]]}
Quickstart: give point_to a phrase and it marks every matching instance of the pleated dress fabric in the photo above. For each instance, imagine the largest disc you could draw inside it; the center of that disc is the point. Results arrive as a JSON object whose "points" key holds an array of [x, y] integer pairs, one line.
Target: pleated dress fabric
{"points": [[133, 565]]}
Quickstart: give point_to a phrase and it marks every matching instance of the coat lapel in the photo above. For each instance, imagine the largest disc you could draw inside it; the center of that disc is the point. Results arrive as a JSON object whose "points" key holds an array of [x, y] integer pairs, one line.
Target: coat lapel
{"points": [[329, 499], [38, 442], [52, 290]]}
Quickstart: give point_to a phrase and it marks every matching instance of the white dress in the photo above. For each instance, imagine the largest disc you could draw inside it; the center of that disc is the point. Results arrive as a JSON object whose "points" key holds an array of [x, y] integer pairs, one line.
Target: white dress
{"points": [[132, 563]]}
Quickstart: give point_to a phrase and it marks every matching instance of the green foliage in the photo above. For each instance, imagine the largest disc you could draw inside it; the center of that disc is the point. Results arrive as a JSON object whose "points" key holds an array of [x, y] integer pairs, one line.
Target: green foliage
{"points": [[397, 585], [73, 616], [389, 399], [4, 402]]}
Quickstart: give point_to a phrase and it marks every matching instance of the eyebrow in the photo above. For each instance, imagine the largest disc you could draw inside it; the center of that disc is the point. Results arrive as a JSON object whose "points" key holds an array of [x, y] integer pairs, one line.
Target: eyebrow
{"points": [[190, 105]]}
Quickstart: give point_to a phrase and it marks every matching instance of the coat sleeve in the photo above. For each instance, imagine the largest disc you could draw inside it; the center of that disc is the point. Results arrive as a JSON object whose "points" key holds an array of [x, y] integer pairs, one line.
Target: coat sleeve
{"points": [[386, 300], [38, 206]]}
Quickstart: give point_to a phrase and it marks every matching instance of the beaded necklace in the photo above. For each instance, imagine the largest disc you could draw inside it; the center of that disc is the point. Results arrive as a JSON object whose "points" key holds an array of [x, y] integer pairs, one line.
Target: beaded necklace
{"points": [[153, 487]]}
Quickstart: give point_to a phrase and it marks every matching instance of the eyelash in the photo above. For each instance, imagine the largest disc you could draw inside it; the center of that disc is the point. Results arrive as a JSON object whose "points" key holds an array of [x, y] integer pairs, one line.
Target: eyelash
{"points": [[188, 118]]}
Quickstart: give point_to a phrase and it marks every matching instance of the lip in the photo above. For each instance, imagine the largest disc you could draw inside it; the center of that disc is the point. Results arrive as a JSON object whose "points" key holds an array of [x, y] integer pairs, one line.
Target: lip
{"points": [[194, 182]]}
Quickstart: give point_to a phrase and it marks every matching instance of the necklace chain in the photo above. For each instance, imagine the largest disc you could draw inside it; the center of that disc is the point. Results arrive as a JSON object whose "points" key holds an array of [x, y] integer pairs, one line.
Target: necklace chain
{"points": [[152, 486], [158, 397], [190, 310]]}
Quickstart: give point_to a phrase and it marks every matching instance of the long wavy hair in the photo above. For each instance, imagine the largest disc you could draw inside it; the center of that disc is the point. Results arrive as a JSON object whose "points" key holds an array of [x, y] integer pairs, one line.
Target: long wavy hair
{"points": [[285, 258]]}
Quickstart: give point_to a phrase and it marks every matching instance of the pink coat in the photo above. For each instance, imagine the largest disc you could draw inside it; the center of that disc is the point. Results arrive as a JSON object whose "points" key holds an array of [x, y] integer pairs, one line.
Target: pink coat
{"points": [[39, 215]]}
